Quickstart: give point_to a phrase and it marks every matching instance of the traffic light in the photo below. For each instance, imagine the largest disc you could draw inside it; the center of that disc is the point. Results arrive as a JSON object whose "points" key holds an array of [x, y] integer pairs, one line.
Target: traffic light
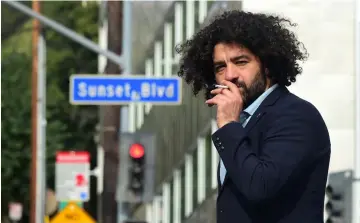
{"points": [[338, 197], [137, 167]]}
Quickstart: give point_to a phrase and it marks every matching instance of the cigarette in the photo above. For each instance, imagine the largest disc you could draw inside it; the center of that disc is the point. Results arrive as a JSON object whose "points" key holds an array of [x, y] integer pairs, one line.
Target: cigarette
{"points": [[221, 86]]}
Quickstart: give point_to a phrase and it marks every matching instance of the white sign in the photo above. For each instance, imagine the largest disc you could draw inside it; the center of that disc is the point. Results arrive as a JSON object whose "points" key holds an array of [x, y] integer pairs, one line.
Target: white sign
{"points": [[15, 211], [72, 176]]}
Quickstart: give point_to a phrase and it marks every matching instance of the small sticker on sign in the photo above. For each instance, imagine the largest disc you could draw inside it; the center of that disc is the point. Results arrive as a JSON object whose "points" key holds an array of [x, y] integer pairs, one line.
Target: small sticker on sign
{"points": [[83, 195]]}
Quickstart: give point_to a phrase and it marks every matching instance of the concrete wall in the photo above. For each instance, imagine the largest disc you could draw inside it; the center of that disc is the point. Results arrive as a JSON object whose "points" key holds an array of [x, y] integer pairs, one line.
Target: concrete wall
{"points": [[328, 81]]}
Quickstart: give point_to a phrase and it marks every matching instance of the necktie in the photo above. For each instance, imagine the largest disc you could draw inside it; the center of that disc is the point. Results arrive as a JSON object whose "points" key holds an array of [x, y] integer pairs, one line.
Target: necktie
{"points": [[243, 116]]}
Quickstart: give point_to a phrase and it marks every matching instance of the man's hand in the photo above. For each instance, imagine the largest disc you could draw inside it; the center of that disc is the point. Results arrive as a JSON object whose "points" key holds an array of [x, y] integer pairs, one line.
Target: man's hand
{"points": [[229, 103]]}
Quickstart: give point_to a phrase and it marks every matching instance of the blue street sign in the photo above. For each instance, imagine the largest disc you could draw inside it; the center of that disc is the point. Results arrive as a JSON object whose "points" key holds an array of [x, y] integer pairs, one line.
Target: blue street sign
{"points": [[119, 89]]}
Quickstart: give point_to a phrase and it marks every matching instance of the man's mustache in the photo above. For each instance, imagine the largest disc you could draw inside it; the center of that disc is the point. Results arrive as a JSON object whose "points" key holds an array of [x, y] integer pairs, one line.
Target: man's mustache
{"points": [[240, 84]]}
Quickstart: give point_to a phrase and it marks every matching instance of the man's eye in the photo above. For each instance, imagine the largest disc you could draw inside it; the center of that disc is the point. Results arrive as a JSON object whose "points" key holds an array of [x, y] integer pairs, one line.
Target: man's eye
{"points": [[219, 68], [241, 62]]}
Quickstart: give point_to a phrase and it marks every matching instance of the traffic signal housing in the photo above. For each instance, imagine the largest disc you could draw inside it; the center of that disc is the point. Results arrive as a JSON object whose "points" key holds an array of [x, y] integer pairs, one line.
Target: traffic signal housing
{"points": [[136, 167], [338, 199]]}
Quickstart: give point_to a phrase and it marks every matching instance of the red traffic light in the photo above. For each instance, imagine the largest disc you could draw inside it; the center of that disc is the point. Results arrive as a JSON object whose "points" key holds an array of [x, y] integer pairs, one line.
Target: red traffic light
{"points": [[136, 151]]}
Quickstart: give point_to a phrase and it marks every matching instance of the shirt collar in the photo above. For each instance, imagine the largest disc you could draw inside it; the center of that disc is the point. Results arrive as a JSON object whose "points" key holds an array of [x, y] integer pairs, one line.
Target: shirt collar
{"points": [[253, 106]]}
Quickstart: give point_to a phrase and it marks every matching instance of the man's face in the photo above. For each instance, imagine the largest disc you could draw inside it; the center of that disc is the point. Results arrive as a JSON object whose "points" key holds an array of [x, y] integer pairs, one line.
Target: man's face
{"points": [[237, 64]]}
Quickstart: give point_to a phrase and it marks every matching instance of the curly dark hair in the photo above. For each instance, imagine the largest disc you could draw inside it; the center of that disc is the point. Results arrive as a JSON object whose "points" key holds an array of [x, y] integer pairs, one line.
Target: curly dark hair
{"points": [[266, 36]]}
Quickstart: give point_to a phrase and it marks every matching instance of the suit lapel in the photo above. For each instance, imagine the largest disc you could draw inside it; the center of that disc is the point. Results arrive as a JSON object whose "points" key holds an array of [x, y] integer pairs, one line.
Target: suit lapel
{"points": [[260, 112], [254, 119]]}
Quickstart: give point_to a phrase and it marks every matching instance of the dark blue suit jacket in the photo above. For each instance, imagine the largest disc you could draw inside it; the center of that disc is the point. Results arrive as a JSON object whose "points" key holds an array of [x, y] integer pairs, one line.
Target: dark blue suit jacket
{"points": [[277, 165]]}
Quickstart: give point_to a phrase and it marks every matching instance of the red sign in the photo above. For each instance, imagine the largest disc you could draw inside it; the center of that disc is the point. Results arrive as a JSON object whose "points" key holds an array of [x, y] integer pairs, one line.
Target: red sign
{"points": [[72, 175], [72, 157]]}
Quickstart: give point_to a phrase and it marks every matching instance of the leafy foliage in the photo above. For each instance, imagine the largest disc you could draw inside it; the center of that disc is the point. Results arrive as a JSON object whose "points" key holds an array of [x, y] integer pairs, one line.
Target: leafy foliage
{"points": [[15, 128], [11, 20], [68, 127]]}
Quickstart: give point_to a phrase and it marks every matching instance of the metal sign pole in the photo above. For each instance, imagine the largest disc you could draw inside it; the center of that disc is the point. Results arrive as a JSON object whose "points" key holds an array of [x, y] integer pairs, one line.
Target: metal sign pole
{"points": [[41, 131]]}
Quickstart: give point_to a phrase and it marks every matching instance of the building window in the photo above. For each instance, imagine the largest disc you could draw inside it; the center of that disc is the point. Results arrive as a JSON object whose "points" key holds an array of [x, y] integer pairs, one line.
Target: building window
{"points": [[179, 26], [208, 163], [176, 216], [195, 178], [149, 71], [202, 11], [171, 214], [166, 203], [168, 49], [158, 59], [189, 18], [201, 170], [182, 192], [214, 158], [189, 184]]}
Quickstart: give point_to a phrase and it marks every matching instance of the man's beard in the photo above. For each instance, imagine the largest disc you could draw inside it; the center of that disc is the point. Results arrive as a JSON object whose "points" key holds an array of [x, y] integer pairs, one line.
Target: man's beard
{"points": [[251, 93]]}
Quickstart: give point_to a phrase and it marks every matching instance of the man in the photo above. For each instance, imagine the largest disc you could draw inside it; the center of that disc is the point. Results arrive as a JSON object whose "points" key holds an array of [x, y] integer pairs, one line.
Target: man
{"points": [[274, 147]]}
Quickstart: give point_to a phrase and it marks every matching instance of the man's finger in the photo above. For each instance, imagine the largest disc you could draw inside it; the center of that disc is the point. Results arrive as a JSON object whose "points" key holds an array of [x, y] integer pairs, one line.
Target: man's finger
{"points": [[227, 93], [216, 91], [232, 87], [218, 99], [223, 91]]}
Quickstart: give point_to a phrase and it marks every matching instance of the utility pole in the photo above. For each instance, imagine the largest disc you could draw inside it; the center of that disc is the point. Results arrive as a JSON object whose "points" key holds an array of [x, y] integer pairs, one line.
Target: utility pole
{"points": [[34, 111], [111, 118]]}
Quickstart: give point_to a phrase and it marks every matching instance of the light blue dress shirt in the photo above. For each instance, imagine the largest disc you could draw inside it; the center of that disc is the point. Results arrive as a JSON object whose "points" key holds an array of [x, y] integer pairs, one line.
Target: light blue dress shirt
{"points": [[250, 110]]}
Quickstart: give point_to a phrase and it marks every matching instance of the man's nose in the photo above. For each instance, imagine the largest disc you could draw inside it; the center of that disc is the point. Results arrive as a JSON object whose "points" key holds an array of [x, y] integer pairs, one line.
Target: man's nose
{"points": [[231, 73]]}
